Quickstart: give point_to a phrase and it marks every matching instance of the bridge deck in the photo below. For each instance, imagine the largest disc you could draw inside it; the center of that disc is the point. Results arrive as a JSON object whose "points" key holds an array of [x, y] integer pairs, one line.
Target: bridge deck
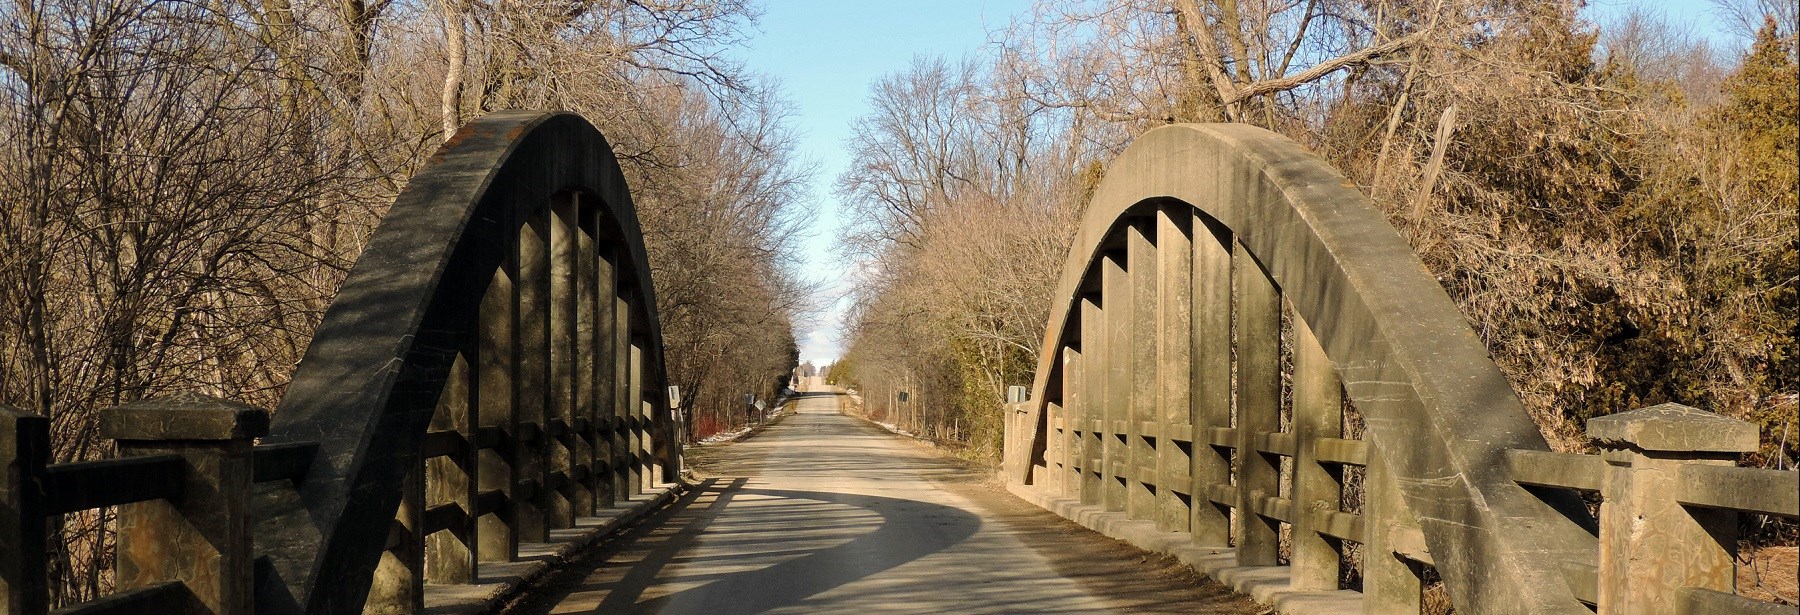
{"points": [[826, 513]]}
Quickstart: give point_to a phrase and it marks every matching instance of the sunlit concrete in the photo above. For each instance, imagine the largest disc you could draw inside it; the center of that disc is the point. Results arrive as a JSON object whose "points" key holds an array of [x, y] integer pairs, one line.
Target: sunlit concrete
{"points": [[826, 514]]}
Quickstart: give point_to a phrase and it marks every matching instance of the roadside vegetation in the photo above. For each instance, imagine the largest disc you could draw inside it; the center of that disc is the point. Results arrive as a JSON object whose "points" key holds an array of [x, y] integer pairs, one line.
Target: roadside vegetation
{"points": [[184, 185]]}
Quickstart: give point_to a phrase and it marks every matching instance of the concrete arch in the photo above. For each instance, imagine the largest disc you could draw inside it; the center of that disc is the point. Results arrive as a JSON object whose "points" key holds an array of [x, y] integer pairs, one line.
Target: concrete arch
{"points": [[1436, 405], [370, 380]]}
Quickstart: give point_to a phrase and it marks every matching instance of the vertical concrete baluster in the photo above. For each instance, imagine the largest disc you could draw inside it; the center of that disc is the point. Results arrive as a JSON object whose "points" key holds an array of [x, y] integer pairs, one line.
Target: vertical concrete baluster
{"points": [[203, 538], [1258, 316], [24, 453], [560, 446], [1318, 489], [1174, 330], [1009, 441], [449, 481], [496, 365], [1115, 291], [606, 379], [1141, 420], [587, 371], [622, 427], [1014, 449], [656, 420], [653, 404], [398, 587], [664, 453], [1069, 484], [1054, 469], [1391, 584], [634, 396], [1210, 378], [531, 512], [1650, 545], [1093, 403]]}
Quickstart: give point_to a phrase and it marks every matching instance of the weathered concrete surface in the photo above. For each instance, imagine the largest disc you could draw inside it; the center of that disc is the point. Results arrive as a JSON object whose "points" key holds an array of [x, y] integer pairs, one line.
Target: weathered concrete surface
{"points": [[202, 538], [1432, 400], [369, 383], [827, 513], [1673, 427], [1651, 545]]}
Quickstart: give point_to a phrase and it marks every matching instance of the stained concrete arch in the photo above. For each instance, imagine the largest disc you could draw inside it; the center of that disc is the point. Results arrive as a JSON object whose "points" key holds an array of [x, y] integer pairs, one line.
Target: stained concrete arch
{"points": [[369, 382], [1442, 412]]}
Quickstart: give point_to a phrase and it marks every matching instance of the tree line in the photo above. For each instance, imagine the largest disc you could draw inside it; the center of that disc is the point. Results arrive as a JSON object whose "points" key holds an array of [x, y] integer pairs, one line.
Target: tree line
{"points": [[185, 183]]}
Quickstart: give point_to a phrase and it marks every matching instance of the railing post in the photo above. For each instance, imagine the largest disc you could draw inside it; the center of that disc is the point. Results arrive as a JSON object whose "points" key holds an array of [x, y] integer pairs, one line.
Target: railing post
{"points": [[1009, 432], [571, 498], [1091, 418], [398, 586], [204, 538], [450, 481], [1258, 315], [1115, 368], [1391, 584], [634, 396], [1318, 490], [1173, 366], [532, 511], [1069, 436], [1209, 380], [606, 377], [622, 438], [492, 405], [1009, 450], [1650, 545], [24, 453], [1140, 416], [587, 356], [1016, 453]]}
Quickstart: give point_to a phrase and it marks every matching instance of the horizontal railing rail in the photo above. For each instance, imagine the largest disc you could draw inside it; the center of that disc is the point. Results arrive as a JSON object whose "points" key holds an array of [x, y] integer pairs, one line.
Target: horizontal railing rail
{"points": [[1535, 468], [167, 597], [1751, 490], [275, 462], [1670, 497], [71, 487]]}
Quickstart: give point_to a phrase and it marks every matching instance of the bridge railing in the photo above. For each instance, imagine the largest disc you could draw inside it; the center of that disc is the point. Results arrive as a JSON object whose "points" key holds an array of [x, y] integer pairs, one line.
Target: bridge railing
{"points": [[1247, 362], [1671, 495], [181, 483], [1193, 395], [489, 372]]}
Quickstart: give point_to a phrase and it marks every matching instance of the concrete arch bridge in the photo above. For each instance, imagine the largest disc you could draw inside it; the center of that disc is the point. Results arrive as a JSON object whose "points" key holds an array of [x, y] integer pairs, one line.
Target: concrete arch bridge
{"points": [[1246, 369]]}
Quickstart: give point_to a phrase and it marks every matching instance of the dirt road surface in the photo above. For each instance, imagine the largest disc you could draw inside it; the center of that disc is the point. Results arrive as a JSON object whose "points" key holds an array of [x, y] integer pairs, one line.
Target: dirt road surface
{"points": [[825, 513]]}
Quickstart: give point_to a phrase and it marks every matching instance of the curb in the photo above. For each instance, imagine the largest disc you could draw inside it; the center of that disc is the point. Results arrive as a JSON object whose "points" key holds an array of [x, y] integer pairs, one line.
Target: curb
{"points": [[1267, 585], [501, 582]]}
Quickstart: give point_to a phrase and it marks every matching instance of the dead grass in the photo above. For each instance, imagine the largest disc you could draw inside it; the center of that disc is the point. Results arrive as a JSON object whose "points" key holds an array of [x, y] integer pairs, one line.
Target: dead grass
{"points": [[1770, 574]]}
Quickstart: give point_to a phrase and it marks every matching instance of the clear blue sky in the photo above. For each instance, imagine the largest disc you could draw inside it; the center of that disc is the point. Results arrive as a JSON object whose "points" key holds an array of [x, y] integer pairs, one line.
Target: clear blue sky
{"points": [[826, 54]]}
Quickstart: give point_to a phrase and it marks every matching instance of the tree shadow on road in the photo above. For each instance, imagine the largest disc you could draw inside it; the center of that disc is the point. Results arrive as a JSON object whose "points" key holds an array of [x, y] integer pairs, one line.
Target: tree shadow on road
{"points": [[878, 541]]}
